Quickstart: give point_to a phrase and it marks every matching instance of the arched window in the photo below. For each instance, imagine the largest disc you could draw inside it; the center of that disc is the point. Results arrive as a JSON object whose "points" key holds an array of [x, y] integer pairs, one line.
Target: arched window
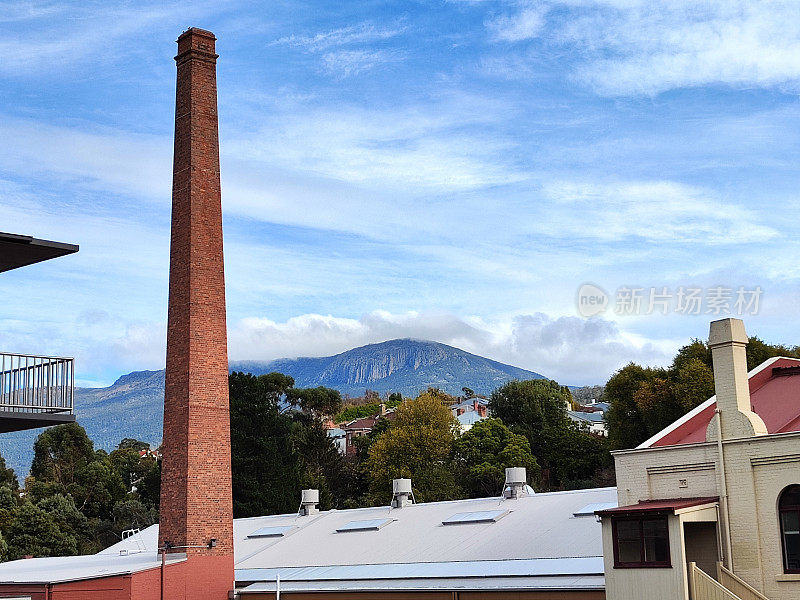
{"points": [[789, 510]]}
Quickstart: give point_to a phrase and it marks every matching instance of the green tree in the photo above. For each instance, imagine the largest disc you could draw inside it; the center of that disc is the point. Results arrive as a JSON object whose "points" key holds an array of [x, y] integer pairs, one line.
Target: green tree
{"points": [[266, 473], [537, 409], [133, 444], [626, 426], [36, 532], [66, 463], [317, 401], [417, 444], [60, 452], [133, 468], [69, 520], [7, 476], [531, 408], [484, 452]]}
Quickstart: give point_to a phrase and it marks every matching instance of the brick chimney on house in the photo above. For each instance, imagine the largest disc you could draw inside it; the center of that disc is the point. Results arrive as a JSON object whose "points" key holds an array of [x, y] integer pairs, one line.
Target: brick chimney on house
{"points": [[727, 340], [196, 507]]}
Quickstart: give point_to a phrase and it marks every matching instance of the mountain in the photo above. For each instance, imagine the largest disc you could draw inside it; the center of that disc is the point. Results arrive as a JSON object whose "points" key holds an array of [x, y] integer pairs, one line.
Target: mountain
{"points": [[132, 406], [405, 366]]}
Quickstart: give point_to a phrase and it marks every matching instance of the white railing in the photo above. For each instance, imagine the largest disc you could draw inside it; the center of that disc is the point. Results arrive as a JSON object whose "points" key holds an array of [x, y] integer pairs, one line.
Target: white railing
{"points": [[737, 585], [36, 384], [704, 587]]}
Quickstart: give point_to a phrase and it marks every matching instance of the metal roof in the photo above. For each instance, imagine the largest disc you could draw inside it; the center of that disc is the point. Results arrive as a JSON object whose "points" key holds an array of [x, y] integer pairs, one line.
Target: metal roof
{"points": [[539, 544], [658, 506], [77, 568], [469, 418], [578, 582], [591, 417], [774, 397]]}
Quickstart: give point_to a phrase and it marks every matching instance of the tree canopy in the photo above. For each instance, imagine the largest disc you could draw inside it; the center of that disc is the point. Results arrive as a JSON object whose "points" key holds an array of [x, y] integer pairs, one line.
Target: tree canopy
{"points": [[643, 400], [569, 456], [484, 452], [417, 444]]}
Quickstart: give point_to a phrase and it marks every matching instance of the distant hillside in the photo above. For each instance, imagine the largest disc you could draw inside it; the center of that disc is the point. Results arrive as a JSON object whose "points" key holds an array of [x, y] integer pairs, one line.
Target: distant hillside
{"points": [[132, 406], [405, 366]]}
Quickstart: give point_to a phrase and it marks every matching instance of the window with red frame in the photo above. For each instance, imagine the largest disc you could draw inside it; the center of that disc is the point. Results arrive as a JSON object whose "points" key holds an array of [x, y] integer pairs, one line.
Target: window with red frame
{"points": [[641, 542], [789, 509]]}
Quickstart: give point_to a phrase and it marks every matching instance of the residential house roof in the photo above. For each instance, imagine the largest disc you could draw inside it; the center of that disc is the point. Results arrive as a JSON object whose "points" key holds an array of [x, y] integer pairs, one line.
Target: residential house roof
{"points": [[589, 417]]}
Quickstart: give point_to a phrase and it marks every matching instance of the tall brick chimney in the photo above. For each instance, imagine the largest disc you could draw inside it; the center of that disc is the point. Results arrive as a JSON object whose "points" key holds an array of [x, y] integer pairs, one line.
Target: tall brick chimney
{"points": [[196, 507]]}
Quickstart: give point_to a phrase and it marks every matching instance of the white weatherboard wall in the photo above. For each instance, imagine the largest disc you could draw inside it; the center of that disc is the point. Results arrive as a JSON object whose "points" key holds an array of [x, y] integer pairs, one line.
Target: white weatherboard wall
{"points": [[654, 584]]}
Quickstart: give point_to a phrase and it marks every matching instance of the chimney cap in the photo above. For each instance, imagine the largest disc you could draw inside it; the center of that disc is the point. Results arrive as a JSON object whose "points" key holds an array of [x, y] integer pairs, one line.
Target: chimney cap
{"points": [[197, 31], [727, 331]]}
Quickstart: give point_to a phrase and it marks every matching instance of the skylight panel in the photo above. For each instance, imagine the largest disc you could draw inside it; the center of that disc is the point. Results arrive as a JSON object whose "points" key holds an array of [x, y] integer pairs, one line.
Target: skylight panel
{"points": [[588, 510], [482, 516], [366, 525], [266, 532]]}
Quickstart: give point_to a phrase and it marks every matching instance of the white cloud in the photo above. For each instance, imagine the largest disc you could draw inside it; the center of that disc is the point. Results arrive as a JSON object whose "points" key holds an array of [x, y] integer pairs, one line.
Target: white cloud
{"points": [[642, 47], [525, 24], [569, 349], [345, 63], [116, 160], [660, 211], [441, 144], [84, 31], [363, 33]]}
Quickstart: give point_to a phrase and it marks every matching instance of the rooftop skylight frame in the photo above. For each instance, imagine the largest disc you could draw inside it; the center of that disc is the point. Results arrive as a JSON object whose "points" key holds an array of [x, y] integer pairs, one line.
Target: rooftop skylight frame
{"points": [[270, 531], [364, 525], [479, 516]]}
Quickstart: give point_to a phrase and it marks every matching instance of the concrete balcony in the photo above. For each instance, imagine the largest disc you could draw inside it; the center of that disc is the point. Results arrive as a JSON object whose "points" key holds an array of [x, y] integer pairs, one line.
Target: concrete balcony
{"points": [[35, 391]]}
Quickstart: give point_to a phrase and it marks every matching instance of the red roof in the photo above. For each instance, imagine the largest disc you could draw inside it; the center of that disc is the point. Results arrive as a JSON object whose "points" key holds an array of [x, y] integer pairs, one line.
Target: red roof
{"points": [[657, 506], [774, 396]]}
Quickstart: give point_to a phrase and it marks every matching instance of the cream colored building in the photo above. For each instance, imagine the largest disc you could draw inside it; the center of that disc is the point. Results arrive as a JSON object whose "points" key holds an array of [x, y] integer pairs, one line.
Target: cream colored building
{"points": [[710, 506]]}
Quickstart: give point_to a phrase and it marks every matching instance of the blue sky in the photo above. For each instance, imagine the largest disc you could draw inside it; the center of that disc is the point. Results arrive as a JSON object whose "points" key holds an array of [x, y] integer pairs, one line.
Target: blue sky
{"points": [[447, 170]]}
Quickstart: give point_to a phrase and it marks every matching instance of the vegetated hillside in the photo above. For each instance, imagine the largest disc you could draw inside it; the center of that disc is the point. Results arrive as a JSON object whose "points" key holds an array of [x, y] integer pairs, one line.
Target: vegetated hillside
{"points": [[133, 405]]}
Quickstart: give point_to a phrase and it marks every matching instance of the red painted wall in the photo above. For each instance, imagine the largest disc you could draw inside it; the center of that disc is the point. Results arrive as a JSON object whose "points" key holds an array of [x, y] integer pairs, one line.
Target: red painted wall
{"points": [[145, 585]]}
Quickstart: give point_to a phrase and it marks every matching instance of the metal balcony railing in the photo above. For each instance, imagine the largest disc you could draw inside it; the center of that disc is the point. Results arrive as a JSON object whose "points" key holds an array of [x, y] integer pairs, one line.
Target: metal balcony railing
{"points": [[36, 384]]}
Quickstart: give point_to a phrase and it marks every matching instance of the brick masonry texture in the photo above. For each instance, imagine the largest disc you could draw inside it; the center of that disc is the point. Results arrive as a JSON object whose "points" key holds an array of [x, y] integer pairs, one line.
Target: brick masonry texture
{"points": [[196, 501]]}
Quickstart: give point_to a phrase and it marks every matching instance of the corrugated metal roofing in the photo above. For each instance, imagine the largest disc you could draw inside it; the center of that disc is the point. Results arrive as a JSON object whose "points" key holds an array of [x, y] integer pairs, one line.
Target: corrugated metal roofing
{"points": [[482, 568], [669, 506], [774, 396], [76, 568], [591, 417], [538, 544], [580, 582]]}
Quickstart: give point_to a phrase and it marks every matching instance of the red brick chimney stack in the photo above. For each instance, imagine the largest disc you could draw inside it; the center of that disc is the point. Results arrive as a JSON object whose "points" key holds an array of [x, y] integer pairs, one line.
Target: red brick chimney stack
{"points": [[196, 507]]}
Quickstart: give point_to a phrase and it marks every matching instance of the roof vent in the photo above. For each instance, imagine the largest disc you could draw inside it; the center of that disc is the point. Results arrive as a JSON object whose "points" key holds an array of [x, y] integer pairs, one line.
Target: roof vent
{"points": [[517, 483], [308, 502], [402, 495]]}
